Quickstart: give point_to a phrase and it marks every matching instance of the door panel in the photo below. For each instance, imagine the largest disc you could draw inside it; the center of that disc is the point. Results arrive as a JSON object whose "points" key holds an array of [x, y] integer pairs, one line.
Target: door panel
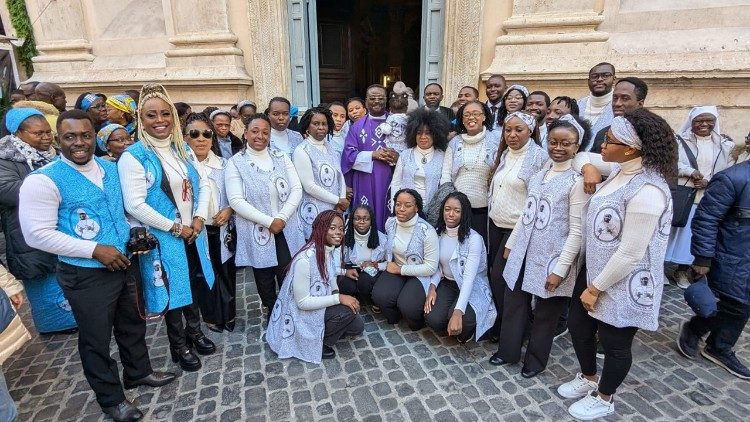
{"points": [[336, 70]]}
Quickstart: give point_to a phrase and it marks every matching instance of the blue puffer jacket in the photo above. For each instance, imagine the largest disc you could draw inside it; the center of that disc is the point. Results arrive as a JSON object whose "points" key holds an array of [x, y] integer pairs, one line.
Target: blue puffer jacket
{"points": [[721, 232]]}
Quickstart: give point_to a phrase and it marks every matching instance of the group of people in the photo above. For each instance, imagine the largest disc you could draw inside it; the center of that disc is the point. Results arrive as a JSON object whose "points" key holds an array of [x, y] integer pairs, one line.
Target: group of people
{"points": [[489, 220]]}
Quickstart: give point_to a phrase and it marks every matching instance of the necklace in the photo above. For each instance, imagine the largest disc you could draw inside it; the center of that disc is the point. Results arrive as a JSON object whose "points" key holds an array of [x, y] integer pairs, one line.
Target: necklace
{"points": [[187, 186], [424, 156]]}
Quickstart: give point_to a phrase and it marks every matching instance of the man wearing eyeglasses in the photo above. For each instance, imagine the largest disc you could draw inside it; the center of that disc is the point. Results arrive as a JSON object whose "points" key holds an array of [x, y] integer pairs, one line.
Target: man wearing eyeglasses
{"points": [[597, 107]]}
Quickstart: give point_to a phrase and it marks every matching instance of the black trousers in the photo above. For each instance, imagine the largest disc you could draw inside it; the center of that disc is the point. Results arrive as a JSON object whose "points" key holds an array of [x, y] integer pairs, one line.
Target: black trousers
{"points": [[479, 222], [340, 322], [399, 296], [617, 342], [442, 311], [361, 288], [516, 310], [268, 280], [725, 327], [176, 332], [219, 305], [102, 306], [498, 237]]}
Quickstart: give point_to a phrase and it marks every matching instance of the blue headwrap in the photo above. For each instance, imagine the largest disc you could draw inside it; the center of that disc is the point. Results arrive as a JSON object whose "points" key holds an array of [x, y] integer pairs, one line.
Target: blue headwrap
{"points": [[15, 116], [87, 100], [104, 133]]}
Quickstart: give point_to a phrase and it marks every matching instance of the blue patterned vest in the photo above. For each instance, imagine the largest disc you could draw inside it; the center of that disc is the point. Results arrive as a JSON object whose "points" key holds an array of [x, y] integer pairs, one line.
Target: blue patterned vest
{"points": [[172, 261], [88, 212]]}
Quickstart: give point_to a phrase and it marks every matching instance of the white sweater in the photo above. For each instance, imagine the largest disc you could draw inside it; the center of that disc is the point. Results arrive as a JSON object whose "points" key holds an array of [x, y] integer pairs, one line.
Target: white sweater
{"points": [[236, 190], [304, 166], [431, 250], [301, 283], [508, 191], [135, 187], [38, 203], [472, 178]]}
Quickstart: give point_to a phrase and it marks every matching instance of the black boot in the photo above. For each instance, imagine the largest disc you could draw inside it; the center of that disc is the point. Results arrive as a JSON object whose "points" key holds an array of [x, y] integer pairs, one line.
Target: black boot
{"points": [[201, 343], [187, 359]]}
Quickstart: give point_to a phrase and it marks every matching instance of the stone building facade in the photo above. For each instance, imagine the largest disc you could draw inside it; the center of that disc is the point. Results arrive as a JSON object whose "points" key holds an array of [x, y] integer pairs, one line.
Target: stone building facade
{"points": [[690, 52]]}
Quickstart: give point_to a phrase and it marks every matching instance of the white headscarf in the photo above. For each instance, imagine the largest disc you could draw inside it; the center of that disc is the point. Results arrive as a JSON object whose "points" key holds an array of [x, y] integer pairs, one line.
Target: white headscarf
{"points": [[625, 132], [687, 126], [527, 118], [570, 119], [520, 88]]}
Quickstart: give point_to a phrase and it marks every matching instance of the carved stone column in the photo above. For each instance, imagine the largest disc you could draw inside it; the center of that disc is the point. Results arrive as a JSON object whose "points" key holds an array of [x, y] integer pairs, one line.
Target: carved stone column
{"points": [[462, 48], [61, 35], [269, 53], [542, 37]]}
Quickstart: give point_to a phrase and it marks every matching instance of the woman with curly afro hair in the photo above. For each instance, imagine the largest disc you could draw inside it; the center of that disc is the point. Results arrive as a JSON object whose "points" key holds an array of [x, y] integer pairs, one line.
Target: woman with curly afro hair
{"points": [[420, 166], [626, 229]]}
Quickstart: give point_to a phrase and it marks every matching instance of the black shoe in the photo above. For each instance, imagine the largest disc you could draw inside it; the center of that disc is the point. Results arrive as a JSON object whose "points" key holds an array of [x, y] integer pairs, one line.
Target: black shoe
{"points": [[201, 343], [156, 379], [687, 343], [497, 360], [561, 331], [123, 412], [187, 359], [599, 350], [528, 373], [328, 352], [216, 328], [229, 326], [729, 362]]}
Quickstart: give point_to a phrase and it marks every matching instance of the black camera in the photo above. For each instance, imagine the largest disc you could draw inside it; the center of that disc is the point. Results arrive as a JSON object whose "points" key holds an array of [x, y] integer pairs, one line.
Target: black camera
{"points": [[141, 240]]}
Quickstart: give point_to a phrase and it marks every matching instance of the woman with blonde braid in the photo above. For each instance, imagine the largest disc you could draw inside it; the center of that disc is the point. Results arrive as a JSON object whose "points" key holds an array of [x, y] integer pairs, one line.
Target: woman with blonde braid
{"points": [[163, 191]]}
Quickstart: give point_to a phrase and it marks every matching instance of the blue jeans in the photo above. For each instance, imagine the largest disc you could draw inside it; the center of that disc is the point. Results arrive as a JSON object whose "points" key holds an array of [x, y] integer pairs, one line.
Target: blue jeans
{"points": [[8, 411]]}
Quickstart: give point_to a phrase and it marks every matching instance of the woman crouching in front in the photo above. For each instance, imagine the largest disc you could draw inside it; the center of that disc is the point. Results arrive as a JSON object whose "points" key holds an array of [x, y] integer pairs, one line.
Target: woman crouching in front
{"points": [[310, 315]]}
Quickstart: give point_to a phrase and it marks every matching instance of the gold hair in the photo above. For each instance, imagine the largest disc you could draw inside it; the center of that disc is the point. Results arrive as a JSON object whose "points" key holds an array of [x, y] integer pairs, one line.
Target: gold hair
{"points": [[154, 90]]}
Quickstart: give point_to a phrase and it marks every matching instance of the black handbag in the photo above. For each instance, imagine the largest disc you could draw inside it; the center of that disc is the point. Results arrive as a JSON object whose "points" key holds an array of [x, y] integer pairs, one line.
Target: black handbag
{"points": [[683, 196]]}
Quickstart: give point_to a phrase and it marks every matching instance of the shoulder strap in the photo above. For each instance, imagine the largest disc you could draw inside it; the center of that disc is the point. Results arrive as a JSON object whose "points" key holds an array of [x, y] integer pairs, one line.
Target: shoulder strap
{"points": [[688, 152]]}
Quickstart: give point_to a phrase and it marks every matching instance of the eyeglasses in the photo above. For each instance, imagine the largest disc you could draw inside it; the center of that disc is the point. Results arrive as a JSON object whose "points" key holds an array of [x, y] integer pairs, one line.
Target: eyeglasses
{"points": [[564, 144], [595, 76], [610, 141], [39, 134], [195, 133], [122, 140], [474, 114]]}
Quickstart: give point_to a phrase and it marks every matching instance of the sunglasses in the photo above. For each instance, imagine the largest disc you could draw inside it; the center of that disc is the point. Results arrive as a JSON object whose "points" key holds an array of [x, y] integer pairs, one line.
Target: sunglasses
{"points": [[195, 133]]}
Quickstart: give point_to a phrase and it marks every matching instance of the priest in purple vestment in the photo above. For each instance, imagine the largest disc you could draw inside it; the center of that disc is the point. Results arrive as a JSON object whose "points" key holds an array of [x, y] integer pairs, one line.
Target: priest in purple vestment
{"points": [[367, 163]]}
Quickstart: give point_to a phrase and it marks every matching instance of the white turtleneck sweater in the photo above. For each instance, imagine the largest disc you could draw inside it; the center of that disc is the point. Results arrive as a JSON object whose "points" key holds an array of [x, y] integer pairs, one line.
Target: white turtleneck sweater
{"points": [[38, 203], [508, 190], [472, 178], [420, 178], [135, 187], [576, 200], [642, 215], [301, 282], [303, 164], [448, 245], [280, 141], [236, 190], [596, 105], [211, 162], [431, 254]]}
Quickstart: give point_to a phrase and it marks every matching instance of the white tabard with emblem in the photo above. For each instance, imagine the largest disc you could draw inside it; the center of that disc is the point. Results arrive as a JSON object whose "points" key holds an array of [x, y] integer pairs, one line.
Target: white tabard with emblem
{"points": [[543, 231], [256, 245], [634, 300], [326, 168], [414, 254]]}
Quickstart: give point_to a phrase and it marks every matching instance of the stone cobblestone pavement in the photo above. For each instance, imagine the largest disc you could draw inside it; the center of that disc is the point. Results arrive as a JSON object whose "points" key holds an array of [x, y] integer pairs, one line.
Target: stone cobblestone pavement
{"points": [[388, 374]]}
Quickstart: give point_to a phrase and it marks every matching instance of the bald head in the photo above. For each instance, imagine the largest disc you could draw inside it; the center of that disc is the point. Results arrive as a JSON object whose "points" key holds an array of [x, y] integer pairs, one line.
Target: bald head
{"points": [[52, 94]]}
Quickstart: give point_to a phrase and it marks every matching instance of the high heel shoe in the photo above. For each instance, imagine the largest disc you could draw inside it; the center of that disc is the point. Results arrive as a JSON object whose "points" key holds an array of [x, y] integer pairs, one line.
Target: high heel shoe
{"points": [[229, 326], [200, 343], [187, 359]]}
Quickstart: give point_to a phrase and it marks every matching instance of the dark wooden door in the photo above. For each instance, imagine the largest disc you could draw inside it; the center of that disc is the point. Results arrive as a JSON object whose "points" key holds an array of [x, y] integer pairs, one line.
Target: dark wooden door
{"points": [[334, 52]]}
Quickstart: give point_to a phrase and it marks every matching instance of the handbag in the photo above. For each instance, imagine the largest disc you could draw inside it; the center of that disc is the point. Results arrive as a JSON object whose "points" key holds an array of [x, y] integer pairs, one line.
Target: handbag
{"points": [[701, 298], [7, 311], [683, 196]]}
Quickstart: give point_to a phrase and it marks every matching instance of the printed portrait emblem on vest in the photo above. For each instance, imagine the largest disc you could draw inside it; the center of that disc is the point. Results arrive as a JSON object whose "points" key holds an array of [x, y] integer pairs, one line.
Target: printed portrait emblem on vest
{"points": [[543, 214], [641, 288], [413, 259], [84, 223], [63, 303], [261, 235], [529, 211], [276, 312], [282, 188], [327, 175], [607, 224], [307, 212], [287, 326]]}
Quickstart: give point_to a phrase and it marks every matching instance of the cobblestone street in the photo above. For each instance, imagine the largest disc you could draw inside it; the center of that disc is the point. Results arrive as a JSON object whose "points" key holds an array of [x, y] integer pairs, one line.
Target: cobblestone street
{"points": [[389, 374]]}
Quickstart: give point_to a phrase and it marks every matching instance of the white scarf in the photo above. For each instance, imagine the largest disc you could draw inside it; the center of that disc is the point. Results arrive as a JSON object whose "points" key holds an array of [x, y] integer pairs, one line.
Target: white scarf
{"points": [[34, 157]]}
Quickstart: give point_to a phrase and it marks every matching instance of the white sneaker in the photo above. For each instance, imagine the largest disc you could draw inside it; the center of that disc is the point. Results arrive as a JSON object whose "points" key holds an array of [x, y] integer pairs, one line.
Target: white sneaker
{"points": [[682, 280], [591, 407], [576, 388]]}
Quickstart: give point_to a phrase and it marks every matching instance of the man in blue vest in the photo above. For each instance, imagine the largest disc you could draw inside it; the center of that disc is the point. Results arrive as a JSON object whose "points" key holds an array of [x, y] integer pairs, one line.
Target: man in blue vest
{"points": [[73, 208]]}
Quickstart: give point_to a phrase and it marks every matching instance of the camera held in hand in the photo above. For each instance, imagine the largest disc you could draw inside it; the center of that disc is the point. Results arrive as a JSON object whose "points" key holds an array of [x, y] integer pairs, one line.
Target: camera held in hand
{"points": [[141, 240]]}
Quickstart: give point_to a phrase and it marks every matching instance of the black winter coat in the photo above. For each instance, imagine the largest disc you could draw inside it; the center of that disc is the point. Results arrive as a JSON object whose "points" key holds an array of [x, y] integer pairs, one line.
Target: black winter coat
{"points": [[24, 262], [721, 232]]}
